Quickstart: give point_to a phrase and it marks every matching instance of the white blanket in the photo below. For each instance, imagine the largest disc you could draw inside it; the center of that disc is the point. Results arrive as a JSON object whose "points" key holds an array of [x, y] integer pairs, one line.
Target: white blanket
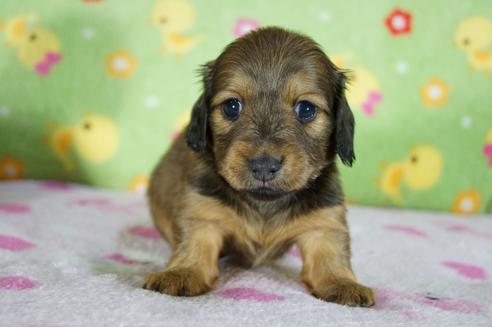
{"points": [[74, 255]]}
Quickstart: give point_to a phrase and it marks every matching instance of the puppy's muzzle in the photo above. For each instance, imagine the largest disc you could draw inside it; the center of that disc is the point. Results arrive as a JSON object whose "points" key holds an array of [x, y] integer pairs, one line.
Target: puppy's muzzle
{"points": [[264, 168]]}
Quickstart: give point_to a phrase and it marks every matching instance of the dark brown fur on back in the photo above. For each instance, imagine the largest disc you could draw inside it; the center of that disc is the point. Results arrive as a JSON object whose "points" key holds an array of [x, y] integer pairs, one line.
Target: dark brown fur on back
{"points": [[207, 200]]}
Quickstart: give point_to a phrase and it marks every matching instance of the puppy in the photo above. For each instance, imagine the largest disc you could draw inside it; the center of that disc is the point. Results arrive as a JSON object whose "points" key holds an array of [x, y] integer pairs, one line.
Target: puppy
{"points": [[255, 172]]}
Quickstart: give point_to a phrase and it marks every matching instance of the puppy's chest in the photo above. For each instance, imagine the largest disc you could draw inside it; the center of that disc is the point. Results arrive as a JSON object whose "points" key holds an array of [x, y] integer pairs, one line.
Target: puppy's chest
{"points": [[258, 242]]}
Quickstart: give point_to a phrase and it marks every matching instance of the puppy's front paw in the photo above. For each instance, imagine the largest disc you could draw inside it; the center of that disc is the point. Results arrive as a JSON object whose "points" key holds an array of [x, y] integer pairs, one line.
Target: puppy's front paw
{"points": [[346, 292], [177, 282]]}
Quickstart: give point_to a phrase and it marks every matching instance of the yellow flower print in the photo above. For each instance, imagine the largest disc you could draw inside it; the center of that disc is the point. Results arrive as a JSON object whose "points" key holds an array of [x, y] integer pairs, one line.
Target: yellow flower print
{"points": [[434, 93], [139, 184], [466, 202], [120, 64], [11, 168]]}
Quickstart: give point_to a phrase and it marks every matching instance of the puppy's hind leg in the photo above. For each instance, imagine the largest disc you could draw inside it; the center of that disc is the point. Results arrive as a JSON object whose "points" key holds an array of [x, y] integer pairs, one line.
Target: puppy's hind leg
{"points": [[194, 265], [327, 270]]}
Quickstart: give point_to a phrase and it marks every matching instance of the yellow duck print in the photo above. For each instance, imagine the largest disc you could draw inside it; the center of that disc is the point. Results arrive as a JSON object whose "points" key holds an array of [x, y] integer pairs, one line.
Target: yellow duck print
{"points": [[173, 18], [363, 89], [474, 36], [420, 170], [181, 123], [37, 48], [95, 138]]}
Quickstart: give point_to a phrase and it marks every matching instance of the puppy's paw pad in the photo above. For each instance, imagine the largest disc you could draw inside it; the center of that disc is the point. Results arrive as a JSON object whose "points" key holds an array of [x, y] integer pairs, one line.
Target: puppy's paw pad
{"points": [[347, 292], [177, 282]]}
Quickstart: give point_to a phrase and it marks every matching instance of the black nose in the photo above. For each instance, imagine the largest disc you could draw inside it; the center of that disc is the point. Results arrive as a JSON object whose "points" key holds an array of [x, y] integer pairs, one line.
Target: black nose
{"points": [[264, 168]]}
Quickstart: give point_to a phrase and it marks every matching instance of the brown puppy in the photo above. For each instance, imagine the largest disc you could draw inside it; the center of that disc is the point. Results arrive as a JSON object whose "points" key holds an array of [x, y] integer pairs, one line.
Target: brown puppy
{"points": [[256, 171]]}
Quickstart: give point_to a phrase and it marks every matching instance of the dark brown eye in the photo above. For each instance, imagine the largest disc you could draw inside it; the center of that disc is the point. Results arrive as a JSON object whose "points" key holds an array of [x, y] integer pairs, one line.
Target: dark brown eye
{"points": [[33, 37], [305, 111], [232, 108], [466, 42], [413, 159], [163, 20], [87, 126]]}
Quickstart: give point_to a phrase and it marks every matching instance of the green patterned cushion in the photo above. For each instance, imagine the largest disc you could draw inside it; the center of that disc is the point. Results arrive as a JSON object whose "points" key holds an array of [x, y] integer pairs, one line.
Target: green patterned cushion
{"points": [[95, 91]]}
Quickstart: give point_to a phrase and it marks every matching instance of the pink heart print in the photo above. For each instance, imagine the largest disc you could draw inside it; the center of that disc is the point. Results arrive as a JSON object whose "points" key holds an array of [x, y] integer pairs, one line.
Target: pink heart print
{"points": [[409, 230], [14, 208], [14, 244], [385, 298], [106, 204], [120, 258], [250, 294], [295, 252], [462, 228], [16, 283], [145, 232], [55, 185], [466, 270]]}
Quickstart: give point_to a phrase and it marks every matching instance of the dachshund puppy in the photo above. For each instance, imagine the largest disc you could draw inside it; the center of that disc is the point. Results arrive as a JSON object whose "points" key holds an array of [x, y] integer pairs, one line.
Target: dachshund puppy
{"points": [[255, 172]]}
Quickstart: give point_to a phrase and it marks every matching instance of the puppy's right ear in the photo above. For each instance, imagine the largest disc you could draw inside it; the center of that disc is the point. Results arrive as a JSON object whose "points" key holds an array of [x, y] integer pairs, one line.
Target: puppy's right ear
{"points": [[197, 131], [196, 135]]}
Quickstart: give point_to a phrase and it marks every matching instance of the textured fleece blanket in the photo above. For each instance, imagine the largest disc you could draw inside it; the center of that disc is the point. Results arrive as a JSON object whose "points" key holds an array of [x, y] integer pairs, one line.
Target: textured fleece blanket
{"points": [[74, 255]]}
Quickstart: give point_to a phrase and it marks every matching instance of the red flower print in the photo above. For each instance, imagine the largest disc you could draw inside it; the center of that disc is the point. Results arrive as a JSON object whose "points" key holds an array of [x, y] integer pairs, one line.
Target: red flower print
{"points": [[399, 22]]}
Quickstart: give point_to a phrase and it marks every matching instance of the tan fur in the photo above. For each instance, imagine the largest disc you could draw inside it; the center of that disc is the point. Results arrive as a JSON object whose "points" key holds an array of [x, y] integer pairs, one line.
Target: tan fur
{"points": [[201, 202], [302, 87], [233, 84], [218, 122]]}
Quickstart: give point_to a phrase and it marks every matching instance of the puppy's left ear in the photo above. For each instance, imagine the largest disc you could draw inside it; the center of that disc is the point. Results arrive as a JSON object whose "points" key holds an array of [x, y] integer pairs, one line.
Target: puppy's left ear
{"points": [[197, 134], [344, 122]]}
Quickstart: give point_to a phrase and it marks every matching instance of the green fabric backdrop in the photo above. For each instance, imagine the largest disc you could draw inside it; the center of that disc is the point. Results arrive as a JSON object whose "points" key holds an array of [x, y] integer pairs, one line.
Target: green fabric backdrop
{"points": [[95, 91]]}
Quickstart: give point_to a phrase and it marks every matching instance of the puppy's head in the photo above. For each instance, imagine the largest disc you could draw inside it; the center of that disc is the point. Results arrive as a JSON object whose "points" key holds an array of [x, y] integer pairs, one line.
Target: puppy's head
{"points": [[273, 113]]}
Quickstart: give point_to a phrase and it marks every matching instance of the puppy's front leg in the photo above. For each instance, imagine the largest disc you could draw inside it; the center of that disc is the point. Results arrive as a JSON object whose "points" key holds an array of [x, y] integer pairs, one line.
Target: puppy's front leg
{"points": [[326, 268], [193, 267]]}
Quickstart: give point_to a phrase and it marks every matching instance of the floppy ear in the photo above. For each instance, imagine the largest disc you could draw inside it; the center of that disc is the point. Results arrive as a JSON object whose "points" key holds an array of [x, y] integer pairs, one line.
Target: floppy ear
{"points": [[197, 131], [196, 134], [344, 123]]}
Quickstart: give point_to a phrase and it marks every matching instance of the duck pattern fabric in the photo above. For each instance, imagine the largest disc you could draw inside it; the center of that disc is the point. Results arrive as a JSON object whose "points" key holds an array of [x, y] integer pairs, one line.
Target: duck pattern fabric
{"points": [[95, 91]]}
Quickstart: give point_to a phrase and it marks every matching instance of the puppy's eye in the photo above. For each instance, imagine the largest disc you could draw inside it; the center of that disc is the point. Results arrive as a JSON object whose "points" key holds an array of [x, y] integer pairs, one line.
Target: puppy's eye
{"points": [[232, 108], [305, 111]]}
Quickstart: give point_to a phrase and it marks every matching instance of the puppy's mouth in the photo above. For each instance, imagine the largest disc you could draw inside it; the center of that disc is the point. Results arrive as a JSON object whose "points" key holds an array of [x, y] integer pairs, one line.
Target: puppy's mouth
{"points": [[265, 193]]}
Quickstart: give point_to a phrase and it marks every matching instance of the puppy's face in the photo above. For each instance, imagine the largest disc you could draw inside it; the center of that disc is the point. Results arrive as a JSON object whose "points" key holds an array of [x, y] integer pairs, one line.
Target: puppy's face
{"points": [[273, 113]]}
